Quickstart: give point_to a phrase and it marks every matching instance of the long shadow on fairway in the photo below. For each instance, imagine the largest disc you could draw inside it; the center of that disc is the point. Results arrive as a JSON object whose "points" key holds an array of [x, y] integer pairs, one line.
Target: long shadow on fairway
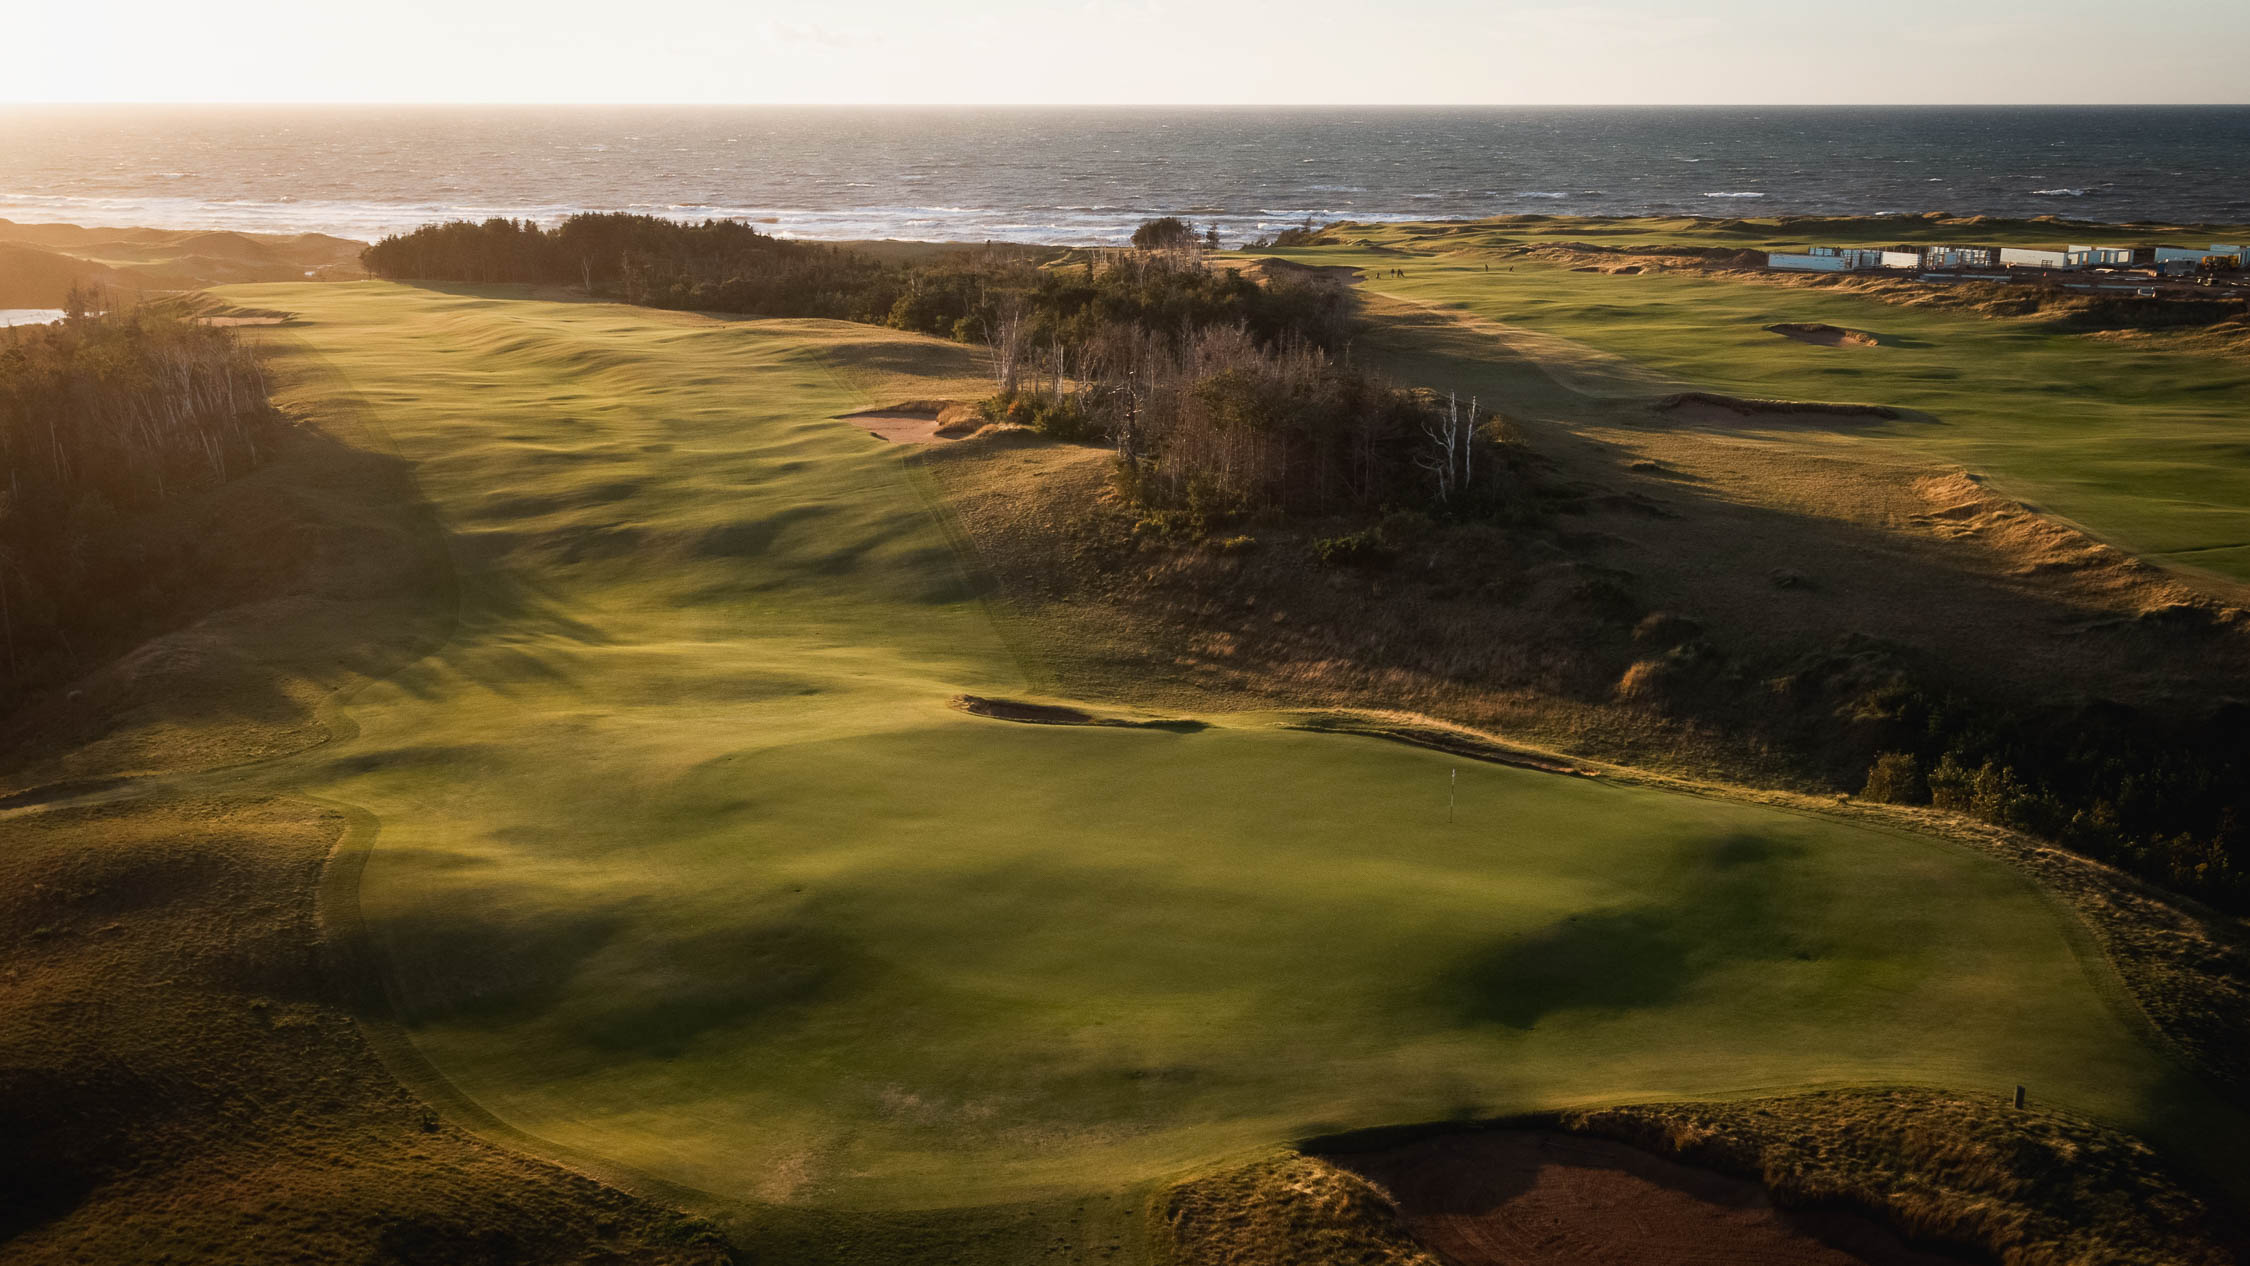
{"points": [[1727, 909], [600, 987], [337, 536]]}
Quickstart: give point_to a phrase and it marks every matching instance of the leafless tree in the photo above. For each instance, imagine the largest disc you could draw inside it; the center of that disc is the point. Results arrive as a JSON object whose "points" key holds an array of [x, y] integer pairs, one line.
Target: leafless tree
{"points": [[1007, 348], [1449, 450]]}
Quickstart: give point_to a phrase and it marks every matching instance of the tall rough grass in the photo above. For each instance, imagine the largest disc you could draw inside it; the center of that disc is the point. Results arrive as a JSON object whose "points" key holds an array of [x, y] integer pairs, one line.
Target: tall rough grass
{"points": [[1286, 1211]]}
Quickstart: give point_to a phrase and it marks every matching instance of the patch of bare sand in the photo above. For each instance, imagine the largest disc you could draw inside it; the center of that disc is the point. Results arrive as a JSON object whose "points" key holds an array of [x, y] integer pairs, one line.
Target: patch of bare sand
{"points": [[1056, 714], [918, 422], [1824, 335], [1529, 1198]]}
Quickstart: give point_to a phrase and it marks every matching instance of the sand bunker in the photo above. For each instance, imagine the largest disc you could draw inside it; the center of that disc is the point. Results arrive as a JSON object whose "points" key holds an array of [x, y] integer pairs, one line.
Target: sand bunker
{"points": [[1710, 409], [1420, 731], [900, 428], [1824, 335], [918, 422], [1052, 714], [1530, 1198]]}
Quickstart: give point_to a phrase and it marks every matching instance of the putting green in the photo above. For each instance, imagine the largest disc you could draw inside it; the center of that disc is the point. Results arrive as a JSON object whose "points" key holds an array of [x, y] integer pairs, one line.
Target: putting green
{"points": [[684, 862], [2142, 445]]}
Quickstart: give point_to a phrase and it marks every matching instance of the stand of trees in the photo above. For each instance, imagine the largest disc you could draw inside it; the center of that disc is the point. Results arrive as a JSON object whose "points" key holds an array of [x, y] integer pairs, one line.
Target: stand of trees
{"points": [[1219, 423], [1166, 233], [725, 265], [105, 419], [1224, 393]]}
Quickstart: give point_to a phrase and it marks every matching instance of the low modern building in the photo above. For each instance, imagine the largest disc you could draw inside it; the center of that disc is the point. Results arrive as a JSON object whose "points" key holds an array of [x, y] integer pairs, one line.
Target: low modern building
{"points": [[1853, 256], [1959, 257], [1962, 262], [2189, 258]]}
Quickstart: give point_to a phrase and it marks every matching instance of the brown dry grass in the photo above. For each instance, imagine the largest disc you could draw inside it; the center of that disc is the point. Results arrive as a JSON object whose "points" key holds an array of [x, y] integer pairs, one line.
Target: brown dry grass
{"points": [[1286, 1211], [2026, 1187]]}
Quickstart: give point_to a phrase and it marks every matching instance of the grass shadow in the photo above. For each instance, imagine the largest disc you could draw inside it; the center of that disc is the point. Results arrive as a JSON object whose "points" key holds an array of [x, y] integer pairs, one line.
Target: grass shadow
{"points": [[1721, 908]]}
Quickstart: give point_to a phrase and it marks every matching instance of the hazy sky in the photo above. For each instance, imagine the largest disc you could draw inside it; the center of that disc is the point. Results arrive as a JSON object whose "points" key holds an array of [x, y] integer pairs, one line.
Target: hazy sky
{"points": [[1130, 51]]}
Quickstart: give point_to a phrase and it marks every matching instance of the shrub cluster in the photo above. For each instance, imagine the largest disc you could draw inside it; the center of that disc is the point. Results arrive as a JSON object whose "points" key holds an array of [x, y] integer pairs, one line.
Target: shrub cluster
{"points": [[1225, 425], [2165, 798], [1165, 233]]}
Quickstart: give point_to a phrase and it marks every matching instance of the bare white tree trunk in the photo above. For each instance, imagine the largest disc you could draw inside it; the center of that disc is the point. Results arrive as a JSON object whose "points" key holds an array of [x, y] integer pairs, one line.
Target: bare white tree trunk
{"points": [[1007, 350], [1450, 457], [1469, 449]]}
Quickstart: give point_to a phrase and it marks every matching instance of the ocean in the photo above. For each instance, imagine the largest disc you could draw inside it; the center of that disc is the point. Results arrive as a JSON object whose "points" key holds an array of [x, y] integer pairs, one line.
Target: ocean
{"points": [[1088, 175]]}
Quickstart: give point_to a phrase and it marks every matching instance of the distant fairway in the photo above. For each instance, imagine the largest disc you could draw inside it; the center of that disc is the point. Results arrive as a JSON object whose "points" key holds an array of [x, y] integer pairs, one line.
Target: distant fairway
{"points": [[684, 863], [2148, 448]]}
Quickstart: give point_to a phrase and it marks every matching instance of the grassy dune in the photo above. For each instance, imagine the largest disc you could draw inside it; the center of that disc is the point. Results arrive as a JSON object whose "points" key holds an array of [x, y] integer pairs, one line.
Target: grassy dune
{"points": [[2142, 445], [681, 862], [40, 263]]}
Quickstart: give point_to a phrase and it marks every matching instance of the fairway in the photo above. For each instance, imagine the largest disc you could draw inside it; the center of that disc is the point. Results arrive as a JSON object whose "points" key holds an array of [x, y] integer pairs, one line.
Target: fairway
{"points": [[681, 861], [2144, 446]]}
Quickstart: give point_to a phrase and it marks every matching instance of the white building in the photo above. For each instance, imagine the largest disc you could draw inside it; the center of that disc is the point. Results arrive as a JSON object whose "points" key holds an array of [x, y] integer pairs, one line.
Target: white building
{"points": [[1853, 256], [1811, 262], [2023, 257], [1902, 259], [1959, 256], [2100, 256]]}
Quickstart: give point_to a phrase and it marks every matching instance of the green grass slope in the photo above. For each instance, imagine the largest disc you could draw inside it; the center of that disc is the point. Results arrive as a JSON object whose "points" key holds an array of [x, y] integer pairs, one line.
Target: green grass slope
{"points": [[1794, 232], [2142, 445], [682, 863]]}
